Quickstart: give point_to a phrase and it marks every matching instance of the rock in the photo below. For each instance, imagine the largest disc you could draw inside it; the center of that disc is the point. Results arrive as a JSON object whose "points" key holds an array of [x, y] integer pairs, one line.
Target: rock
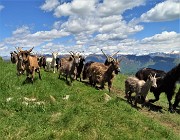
{"points": [[66, 97], [107, 97], [52, 99]]}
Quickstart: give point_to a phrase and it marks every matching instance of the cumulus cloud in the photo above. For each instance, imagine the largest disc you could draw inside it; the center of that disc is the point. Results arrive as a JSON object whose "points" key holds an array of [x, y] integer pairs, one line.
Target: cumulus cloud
{"points": [[163, 37], [92, 25], [116, 7], [49, 5], [1, 7], [163, 42], [165, 11], [76, 7], [22, 37]]}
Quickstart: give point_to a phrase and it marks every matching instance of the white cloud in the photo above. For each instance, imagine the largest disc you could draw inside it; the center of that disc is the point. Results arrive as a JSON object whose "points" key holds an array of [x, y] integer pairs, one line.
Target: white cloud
{"points": [[22, 37], [76, 7], [63, 10], [164, 42], [165, 11], [116, 7], [1, 7], [93, 26], [49, 5], [24, 30], [163, 37]]}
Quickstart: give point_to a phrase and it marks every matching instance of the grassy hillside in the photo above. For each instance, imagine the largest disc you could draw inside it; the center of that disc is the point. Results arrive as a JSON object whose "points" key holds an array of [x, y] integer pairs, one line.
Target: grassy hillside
{"points": [[40, 111]]}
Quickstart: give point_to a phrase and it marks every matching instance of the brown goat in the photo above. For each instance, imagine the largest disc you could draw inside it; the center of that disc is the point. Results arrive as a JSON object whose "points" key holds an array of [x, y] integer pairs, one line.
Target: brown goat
{"points": [[68, 66], [109, 59], [30, 63], [100, 73]]}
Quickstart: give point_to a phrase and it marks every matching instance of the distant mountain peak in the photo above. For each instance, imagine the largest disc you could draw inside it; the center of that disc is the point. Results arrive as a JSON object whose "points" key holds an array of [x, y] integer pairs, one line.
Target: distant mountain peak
{"points": [[175, 52]]}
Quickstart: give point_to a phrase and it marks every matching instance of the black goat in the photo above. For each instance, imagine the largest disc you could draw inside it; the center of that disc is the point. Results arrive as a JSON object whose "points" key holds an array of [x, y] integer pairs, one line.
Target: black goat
{"points": [[167, 85], [80, 67]]}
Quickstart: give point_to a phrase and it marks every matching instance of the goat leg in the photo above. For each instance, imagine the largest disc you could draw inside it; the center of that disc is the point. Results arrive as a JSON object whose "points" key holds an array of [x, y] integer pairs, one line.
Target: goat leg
{"points": [[156, 95], [109, 85], [177, 99], [169, 96], [39, 74]]}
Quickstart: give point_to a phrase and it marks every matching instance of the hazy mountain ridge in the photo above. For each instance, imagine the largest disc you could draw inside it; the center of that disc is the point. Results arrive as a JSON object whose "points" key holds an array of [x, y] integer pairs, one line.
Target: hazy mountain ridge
{"points": [[130, 64]]}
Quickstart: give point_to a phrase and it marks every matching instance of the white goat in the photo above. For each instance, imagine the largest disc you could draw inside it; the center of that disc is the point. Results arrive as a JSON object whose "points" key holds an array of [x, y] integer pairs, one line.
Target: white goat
{"points": [[51, 62], [140, 87]]}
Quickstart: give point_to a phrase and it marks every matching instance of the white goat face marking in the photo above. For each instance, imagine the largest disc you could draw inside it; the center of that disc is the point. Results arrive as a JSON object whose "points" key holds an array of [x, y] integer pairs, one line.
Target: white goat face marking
{"points": [[54, 54], [153, 79]]}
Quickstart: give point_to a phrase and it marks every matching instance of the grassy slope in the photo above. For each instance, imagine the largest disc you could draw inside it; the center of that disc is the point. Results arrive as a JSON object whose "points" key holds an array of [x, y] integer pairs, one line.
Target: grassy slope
{"points": [[85, 115]]}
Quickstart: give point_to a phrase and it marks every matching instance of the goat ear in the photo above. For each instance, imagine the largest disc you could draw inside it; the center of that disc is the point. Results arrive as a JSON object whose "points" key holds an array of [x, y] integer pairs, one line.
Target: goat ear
{"points": [[158, 78], [154, 75]]}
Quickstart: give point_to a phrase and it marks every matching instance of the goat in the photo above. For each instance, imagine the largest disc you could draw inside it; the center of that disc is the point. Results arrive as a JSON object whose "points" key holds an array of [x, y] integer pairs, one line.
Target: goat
{"points": [[107, 62], [14, 57], [86, 69], [144, 73], [109, 59], [51, 61], [42, 62], [140, 87], [30, 63], [80, 67], [167, 85], [68, 67], [100, 73], [20, 66]]}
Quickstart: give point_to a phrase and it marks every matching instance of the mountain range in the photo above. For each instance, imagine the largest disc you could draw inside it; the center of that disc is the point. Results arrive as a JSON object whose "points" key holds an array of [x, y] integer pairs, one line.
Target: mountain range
{"points": [[131, 63]]}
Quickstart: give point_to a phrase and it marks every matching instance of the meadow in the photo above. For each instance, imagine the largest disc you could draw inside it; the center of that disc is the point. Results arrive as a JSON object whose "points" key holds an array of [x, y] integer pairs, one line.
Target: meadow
{"points": [[43, 111]]}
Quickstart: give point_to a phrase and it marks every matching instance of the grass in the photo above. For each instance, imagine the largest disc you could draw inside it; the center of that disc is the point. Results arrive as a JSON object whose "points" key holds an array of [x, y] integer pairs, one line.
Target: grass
{"points": [[39, 111]]}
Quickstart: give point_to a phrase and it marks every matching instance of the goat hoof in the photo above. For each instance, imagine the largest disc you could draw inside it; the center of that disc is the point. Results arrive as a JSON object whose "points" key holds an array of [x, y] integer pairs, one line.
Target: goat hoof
{"points": [[171, 110]]}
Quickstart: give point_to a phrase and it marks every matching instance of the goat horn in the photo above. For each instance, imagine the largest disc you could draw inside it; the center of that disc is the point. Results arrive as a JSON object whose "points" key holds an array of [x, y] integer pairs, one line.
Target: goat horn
{"points": [[115, 54], [71, 52], [31, 49], [15, 52], [16, 49], [19, 49], [104, 53], [120, 60]]}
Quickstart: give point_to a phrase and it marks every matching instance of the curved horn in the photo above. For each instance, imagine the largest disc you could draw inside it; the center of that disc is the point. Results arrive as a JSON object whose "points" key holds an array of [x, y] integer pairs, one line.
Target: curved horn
{"points": [[19, 49], [120, 60], [16, 49], [104, 54], [71, 52], [31, 49], [115, 54]]}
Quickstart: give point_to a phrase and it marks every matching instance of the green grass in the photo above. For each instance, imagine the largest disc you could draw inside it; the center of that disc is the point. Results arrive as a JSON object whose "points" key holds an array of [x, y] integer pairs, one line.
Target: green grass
{"points": [[84, 116]]}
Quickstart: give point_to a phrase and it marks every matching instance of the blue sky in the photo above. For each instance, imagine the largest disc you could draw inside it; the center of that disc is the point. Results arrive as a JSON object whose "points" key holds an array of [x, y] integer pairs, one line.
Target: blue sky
{"points": [[133, 27]]}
